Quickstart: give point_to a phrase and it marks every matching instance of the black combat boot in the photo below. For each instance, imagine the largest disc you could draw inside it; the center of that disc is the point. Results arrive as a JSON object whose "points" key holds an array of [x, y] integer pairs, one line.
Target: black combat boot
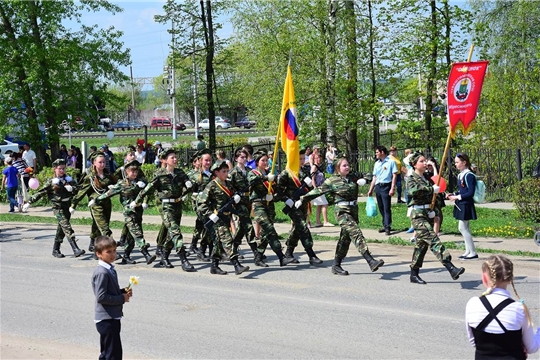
{"points": [[336, 267], [289, 254], [149, 258], [76, 251], [313, 259], [454, 271], [374, 265], [238, 268], [215, 269], [91, 245], [282, 259], [159, 250], [259, 260], [186, 266], [415, 278], [56, 250], [122, 241], [253, 247], [126, 259], [165, 259], [200, 254]]}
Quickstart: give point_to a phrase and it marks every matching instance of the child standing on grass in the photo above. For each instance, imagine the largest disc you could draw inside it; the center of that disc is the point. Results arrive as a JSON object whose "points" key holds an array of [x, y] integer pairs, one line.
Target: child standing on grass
{"points": [[10, 182], [110, 299]]}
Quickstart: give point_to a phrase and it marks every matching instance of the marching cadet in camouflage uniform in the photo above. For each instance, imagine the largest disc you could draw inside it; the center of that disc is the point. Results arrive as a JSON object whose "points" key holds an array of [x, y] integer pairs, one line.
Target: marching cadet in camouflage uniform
{"points": [[162, 234], [238, 177], [200, 179], [216, 205], [420, 193], [120, 173], [128, 189], [95, 181], [170, 183], [195, 163], [59, 191], [265, 212], [344, 186], [291, 188]]}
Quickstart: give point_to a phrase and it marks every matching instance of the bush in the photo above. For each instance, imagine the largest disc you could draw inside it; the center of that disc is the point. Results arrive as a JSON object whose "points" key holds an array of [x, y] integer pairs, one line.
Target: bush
{"points": [[526, 199]]}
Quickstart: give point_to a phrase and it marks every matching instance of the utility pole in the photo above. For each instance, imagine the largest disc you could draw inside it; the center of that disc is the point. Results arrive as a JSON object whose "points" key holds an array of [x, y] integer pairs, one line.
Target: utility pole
{"points": [[173, 86], [130, 117]]}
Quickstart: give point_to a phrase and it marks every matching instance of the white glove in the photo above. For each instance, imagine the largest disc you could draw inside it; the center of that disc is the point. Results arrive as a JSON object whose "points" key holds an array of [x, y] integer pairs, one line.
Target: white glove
{"points": [[141, 184], [184, 198], [69, 188], [26, 207], [68, 178], [214, 218], [431, 214], [111, 187], [71, 210], [91, 203], [436, 189], [144, 206], [298, 204], [188, 184], [289, 203], [308, 182], [236, 198], [132, 205], [271, 177], [269, 197], [55, 181], [361, 182]]}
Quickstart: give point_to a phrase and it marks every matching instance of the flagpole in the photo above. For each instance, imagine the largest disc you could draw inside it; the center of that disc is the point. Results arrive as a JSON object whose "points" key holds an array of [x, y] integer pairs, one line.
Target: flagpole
{"points": [[447, 146]]}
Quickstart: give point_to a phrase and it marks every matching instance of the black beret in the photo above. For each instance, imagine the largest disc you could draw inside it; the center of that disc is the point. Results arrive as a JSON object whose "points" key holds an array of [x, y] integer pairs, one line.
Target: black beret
{"points": [[218, 165], [133, 163], [258, 155], [166, 153]]}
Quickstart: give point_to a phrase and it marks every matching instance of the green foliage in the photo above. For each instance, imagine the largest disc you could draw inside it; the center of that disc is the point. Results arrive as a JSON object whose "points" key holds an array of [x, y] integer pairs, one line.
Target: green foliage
{"points": [[526, 199]]}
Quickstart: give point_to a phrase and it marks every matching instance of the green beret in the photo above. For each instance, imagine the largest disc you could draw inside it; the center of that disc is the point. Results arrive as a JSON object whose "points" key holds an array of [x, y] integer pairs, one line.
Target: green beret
{"points": [[258, 155], [133, 163], [194, 157], [204, 152], [218, 165], [414, 157], [94, 155], [166, 153], [58, 162]]}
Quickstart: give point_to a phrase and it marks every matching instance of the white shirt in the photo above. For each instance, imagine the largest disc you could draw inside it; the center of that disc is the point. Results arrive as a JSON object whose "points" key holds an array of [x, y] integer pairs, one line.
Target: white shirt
{"points": [[330, 156], [140, 157], [512, 317], [29, 156]]}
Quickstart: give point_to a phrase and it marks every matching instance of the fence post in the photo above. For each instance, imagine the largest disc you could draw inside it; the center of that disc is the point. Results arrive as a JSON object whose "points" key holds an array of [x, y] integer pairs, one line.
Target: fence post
{"points": [[518, 161]]}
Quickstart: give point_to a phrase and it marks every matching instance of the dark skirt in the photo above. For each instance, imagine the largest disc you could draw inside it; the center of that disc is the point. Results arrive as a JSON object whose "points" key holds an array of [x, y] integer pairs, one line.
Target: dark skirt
{"points": [[465, 210]]}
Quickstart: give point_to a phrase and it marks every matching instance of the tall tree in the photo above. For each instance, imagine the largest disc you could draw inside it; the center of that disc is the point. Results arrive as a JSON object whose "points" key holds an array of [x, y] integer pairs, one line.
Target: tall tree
{"points": [[50, 71]]}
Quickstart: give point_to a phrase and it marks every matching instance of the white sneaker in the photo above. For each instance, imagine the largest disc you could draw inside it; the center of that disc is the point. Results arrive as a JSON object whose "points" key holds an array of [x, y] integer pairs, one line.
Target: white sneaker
{"points": [[413, 239], [327, 224], [16, 208]]}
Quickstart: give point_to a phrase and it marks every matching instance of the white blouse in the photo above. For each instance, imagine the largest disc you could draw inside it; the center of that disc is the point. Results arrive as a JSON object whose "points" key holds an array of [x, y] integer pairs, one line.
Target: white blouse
{"points": [[512, 317]]}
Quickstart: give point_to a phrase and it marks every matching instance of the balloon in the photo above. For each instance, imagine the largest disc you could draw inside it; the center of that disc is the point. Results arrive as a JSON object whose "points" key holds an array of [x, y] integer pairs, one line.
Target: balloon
{"points": [[33, 183], [110, 135], [442, 184]]}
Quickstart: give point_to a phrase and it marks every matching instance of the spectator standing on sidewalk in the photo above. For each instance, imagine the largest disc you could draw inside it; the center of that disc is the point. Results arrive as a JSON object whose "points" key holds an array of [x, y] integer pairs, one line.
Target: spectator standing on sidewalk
{"points": [[320, 203], [10, 183], [384, 184], [464, 209], [393, 156], [29, 157]]}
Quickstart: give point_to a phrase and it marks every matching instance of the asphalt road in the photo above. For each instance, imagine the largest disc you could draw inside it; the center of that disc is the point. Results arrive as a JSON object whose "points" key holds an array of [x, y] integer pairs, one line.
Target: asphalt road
{"points": [[294, 312]]}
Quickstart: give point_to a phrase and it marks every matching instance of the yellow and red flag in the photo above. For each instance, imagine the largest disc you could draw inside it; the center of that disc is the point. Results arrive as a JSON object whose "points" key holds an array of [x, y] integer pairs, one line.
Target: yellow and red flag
{"points": [[464, 88], [289, 126]]}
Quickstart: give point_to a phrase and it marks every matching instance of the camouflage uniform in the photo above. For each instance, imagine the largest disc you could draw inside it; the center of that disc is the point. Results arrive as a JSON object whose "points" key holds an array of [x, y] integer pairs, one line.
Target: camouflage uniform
{"points": [[60, 198], [93, 186], [265, 215], [292, 187], [128, 191], [120, 173], [420, 193], [199, 179], [345, 192], [170, 188], [239, 180]]}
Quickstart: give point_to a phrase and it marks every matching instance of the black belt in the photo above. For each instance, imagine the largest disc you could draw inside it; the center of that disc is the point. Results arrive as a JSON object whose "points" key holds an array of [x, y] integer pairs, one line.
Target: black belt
{"points": [[383, 184]]}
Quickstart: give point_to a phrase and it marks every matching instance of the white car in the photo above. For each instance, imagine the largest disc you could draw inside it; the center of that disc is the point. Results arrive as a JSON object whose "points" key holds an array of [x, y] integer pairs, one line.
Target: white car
{"points": [[205, 124], [6, 145]]}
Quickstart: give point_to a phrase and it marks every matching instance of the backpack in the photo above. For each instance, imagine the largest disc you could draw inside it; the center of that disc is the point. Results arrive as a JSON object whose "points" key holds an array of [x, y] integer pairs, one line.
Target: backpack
{"points": [[479, 190]]}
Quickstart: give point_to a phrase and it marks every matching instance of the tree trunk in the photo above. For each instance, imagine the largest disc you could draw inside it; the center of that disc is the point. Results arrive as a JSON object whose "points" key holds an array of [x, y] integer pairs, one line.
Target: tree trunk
{"points": [[432, 74], [373, 98], [331, 73], [209, 42], [351, 130]]}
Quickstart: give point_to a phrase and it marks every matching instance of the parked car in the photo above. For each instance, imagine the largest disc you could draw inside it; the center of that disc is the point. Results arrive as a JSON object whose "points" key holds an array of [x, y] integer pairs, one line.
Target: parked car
{"points": [[165, 122], [122, 125], [135, 125], [223, 118], [245, 122], [205, 124], [6, 145]]}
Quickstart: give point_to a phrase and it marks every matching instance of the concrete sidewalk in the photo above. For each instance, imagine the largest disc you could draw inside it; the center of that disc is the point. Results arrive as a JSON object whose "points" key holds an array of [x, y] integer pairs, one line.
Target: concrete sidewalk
{"points": [[332, 232]]}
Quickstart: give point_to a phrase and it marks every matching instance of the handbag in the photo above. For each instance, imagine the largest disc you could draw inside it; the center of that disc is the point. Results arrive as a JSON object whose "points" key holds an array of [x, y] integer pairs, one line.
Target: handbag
{"points": [[371, 207]]}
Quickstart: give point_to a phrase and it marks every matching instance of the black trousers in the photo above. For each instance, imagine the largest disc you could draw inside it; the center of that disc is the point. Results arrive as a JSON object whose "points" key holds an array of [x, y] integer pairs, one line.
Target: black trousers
{"points": [[109, 341], [384, 202]]}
